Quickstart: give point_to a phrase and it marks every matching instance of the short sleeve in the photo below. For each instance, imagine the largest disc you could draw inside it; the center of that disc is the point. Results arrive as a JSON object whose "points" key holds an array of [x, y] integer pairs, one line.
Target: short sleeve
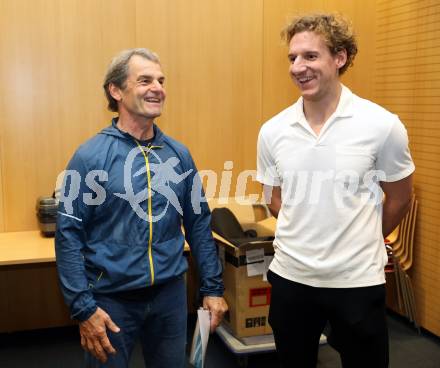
{"points": [[266, 167], [394, 157]]}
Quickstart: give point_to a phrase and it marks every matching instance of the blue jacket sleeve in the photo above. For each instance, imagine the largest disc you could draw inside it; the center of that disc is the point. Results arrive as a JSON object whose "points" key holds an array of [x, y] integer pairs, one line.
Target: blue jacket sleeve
{"points": [[197, 224], [70, 239]]}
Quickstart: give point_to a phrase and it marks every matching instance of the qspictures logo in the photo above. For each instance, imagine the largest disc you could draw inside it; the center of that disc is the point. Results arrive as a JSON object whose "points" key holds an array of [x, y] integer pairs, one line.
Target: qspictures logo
{"points": [[161, 174], [297, 187]]}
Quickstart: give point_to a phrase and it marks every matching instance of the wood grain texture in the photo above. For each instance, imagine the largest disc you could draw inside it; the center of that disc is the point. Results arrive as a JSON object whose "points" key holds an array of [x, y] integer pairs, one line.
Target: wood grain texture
{"points": [[226, 73], [211, 54], [407, 82], [24, 247]]}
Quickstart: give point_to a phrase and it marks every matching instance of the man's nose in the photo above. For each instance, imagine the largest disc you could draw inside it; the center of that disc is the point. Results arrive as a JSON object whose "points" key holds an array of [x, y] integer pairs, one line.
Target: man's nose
{"points": [[157, 86], [298, 65]]}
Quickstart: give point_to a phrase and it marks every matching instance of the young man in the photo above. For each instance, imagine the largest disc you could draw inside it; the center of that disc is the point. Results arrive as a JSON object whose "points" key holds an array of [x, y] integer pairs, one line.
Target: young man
{"points": [[119, 244], [324, 163]]}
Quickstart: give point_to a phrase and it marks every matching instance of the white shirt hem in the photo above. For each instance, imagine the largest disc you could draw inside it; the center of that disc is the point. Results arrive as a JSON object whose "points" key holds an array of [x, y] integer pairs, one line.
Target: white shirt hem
{"points": [[346, 284]]}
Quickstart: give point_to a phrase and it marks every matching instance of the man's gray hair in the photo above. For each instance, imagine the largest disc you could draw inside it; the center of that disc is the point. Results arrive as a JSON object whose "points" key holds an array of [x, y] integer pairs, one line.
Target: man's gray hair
{"points": [[117, 71]]}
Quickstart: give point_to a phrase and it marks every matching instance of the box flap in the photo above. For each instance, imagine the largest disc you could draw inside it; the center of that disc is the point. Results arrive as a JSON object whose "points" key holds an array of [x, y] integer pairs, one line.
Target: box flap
{"points": [[266, 227], [222, 240]]}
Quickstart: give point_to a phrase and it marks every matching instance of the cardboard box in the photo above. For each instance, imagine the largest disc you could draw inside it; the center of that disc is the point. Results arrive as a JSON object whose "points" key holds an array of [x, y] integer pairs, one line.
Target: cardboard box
{"points": [[248, 296]]}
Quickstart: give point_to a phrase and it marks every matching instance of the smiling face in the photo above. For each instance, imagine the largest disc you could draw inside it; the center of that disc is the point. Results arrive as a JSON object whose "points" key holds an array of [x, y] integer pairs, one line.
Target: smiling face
{"points": [[144, 95], [313, 68]]}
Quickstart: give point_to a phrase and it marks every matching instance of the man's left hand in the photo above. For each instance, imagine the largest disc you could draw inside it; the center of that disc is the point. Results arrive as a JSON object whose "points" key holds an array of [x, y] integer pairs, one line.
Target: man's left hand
{"points": [[218, 307]]}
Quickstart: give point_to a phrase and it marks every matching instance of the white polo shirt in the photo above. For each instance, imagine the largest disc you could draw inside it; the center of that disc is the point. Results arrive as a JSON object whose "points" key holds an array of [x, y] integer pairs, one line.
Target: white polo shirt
{"points": [[329, 228]]}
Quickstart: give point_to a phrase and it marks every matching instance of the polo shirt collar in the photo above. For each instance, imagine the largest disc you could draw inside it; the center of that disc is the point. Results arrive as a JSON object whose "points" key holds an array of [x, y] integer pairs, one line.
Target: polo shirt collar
{"points": [[344, 109]]}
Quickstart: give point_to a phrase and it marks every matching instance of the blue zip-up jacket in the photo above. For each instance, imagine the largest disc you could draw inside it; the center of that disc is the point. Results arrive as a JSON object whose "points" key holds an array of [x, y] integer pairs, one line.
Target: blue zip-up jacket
{"points": [[119, 222]]}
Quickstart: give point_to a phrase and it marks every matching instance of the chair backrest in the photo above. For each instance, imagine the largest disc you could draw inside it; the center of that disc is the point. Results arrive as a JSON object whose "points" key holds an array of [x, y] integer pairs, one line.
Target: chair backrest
{"points": [[399, 247], [224, 223], [407, 263], [392, 238], [408, 231], [243, 212]]}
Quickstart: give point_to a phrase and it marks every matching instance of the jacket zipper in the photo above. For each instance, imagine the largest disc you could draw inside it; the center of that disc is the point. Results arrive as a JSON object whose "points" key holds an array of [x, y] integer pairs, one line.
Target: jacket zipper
{"points": [[150, 209]]}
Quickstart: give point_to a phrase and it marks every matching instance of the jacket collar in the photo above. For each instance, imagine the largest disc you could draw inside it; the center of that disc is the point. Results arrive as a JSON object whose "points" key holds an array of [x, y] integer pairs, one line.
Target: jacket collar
{"points": [[158, 138]]}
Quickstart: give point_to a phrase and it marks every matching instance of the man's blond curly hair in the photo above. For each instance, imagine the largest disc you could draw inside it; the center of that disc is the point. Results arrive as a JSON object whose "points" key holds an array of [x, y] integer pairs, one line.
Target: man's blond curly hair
{"points": [[336, 30]]}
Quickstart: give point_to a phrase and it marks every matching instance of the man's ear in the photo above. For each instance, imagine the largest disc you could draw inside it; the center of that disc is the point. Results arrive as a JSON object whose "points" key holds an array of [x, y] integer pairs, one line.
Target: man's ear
{"points": [[115, 92], [341, 58]]}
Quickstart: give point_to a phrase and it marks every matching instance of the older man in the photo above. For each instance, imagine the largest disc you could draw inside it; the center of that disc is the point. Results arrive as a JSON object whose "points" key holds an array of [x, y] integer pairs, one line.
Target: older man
{"points": [[119, 243]]}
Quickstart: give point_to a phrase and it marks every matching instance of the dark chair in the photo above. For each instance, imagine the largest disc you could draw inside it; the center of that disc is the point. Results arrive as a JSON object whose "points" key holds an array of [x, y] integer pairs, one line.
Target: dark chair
{"points": [[225, 224]]}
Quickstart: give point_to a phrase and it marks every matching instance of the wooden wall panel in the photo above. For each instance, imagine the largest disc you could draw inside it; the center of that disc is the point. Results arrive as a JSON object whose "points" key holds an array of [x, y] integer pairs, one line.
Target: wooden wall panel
{"points": [[219, 57], [27, 38], [211, 54], [51, 87], [2, 220], [3, 64], [407, 82], [52, 99]]}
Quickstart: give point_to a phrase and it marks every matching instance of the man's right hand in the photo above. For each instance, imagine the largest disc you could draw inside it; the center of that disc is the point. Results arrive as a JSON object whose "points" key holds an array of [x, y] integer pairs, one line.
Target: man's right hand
{"points": [[94, 337]]}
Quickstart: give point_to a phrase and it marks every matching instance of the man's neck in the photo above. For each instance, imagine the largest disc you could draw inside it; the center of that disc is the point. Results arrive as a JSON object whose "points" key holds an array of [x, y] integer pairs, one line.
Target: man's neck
{"points": [[317, 112], [141, 129]]}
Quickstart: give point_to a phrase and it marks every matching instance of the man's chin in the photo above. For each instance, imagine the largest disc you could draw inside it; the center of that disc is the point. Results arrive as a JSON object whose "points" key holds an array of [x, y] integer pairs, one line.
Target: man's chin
{"points": [[153, 114], [309, 95]]}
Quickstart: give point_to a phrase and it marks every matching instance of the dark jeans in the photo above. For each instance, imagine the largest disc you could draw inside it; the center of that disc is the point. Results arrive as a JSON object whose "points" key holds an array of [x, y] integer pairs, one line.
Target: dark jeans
{"points": [[298, 314], [159, 323]]}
